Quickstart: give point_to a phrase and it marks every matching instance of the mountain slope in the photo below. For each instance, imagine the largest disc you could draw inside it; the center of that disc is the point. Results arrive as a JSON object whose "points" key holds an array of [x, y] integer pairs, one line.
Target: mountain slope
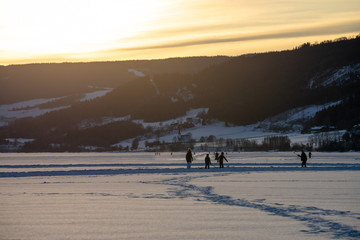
{"points": [[261, 85], [242, 90], [27, 82]]}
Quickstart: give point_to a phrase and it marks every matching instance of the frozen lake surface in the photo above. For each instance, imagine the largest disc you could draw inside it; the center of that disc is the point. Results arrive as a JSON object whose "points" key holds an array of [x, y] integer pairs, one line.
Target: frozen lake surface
{"points": [[260, 195]]}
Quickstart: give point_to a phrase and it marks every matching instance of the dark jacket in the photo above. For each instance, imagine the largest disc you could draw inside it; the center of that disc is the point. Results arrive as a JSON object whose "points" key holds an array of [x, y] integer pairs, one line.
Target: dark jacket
{"points": [[207, 160], [221, 158], [303, 157], [189, 157]]}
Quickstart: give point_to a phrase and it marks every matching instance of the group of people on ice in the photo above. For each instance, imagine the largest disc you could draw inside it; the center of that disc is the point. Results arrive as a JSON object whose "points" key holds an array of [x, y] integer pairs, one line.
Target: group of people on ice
{"points": [[219, 158]]}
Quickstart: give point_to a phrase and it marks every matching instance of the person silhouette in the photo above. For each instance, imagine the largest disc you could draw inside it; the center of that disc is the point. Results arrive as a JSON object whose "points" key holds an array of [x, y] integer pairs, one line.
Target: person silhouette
{"points": [[303, 158], [189, 158], [207, 161], [221, 160], [217, 156]]}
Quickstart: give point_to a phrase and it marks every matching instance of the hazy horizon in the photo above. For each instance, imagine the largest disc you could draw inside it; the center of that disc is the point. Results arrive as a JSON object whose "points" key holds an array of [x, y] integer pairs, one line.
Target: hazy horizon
{"points": [[94, 31]]}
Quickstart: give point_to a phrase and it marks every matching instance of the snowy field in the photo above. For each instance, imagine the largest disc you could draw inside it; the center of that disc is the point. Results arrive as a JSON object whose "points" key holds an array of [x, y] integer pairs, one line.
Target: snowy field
{"points": [[260, 195]]}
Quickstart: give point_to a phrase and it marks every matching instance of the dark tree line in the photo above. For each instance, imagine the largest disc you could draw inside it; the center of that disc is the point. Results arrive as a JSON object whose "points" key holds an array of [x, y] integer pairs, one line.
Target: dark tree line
{"points": [[76, 140]]}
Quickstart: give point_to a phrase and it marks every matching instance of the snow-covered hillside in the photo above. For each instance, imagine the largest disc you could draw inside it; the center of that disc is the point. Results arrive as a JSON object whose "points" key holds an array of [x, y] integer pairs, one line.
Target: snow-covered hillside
{"points": [[335, 77], [137, 73], [25, 109], [290, 119], [32, 108], [284, 124], [221, 130], [96, 94]]}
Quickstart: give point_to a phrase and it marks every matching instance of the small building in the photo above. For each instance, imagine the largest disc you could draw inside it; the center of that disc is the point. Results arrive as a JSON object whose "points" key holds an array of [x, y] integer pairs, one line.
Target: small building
{"points": [[184, 137]]}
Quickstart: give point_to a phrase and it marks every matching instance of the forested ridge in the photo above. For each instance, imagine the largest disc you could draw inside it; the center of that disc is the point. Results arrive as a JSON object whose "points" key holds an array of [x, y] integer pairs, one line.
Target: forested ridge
{"points": [[262, 85], [26, 82], [238, 90]]}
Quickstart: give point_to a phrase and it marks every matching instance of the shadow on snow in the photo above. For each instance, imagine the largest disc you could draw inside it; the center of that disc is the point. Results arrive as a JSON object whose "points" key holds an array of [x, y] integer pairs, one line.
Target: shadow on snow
{"points": [[172, 168]]}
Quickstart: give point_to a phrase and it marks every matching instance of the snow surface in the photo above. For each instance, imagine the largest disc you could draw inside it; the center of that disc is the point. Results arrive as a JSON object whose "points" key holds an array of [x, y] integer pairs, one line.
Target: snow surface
{"points": [[155, 86], [136, 72], [258, 195], [303, 112], [337, 77], [29, 108], [17, 110], [184, 94], [96, 94], [105, 120], [19, 140], [342, 75], [192, 113]]}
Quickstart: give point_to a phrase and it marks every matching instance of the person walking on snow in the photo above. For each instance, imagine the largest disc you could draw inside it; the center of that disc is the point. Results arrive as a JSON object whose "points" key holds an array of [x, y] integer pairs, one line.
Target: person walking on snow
{"points": [[221, 160], [207, 161], [189, 158], [303, 158], [217, 156]]}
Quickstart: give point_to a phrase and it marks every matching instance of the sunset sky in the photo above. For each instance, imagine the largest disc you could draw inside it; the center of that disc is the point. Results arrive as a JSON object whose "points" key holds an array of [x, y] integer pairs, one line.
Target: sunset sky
{"points": [[107, 30]]}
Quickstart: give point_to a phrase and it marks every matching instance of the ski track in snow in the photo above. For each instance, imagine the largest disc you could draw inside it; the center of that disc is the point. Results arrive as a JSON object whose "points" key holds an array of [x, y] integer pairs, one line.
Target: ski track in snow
{"points": [[181, 183], [313, 217]]}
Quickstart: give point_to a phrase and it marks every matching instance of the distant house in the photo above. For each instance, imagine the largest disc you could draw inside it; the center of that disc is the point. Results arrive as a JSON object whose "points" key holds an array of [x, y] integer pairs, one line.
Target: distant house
{"points": [[184, 137], [356, 130], [13, 144], [319, 129]]}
